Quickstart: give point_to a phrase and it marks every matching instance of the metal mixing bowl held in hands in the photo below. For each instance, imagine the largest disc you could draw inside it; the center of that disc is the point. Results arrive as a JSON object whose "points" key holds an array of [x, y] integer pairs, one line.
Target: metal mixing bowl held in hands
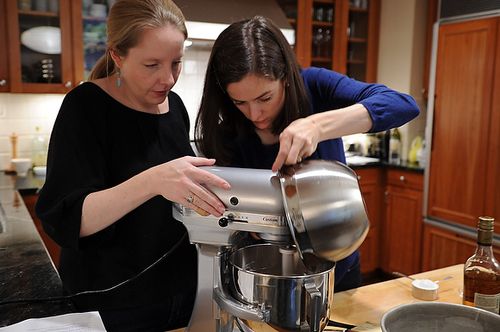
{"points": [[324, 208]]}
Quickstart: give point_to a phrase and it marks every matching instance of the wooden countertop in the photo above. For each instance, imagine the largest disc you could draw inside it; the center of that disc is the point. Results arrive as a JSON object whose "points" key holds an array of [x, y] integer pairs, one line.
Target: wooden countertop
{"points": [[365, 306]]}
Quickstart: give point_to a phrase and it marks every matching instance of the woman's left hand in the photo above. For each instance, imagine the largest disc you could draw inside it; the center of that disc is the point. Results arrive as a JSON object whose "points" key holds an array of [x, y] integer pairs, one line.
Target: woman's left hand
{"points": [[298, 141]]}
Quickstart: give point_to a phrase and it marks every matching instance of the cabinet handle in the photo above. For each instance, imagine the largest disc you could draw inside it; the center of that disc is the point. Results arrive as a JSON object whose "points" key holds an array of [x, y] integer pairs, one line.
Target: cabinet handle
{"points": [[68, 84], [3, 82], [402, 178]]}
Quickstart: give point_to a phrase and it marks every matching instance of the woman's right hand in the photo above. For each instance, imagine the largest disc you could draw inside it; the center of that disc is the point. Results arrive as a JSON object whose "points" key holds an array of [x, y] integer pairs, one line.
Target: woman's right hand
{"points": [[180, 180]]}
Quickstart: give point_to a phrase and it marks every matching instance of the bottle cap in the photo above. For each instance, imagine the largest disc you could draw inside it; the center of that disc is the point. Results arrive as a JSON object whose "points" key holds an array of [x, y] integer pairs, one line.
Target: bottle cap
{"points": [[486, 223]]}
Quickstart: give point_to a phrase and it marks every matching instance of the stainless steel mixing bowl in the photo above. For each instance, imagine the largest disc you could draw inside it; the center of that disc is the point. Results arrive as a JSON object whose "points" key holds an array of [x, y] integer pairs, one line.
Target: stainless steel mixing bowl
{"points": [[324, 207], [269, 276]]}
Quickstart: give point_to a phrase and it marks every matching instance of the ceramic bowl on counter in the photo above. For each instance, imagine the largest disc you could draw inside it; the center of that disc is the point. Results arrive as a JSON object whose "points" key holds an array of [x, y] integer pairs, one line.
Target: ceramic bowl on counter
{"points": [[40, 170], [21, 166]]}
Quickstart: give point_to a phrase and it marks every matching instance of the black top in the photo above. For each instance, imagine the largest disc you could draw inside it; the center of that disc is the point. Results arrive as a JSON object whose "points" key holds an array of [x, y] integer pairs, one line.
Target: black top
{"points": [[97, 143]]}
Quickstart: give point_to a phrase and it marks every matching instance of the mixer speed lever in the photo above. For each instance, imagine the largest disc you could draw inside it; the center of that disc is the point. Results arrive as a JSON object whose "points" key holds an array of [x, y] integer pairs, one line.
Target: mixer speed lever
{"points": [[223, 222]]}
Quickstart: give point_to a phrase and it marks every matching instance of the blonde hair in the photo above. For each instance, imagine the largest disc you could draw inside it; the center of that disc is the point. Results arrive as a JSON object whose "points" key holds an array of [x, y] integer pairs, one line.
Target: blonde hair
{"points": [[127, 20]]}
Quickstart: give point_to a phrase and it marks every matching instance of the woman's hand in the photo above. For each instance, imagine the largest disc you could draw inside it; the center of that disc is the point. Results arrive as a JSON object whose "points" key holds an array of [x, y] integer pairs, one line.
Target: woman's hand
{"points": [[297, 142], [300, 139], [180, 180]]}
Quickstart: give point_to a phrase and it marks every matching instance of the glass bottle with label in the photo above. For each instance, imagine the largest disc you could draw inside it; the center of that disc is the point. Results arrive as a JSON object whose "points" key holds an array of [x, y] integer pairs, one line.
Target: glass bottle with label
{"points": [[395, 147], [482, 271], [39, 149]]}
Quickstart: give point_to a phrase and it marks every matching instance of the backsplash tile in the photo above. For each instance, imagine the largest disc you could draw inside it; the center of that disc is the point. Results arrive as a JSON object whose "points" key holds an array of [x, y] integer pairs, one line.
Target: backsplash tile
{"points": [[22, 113]]}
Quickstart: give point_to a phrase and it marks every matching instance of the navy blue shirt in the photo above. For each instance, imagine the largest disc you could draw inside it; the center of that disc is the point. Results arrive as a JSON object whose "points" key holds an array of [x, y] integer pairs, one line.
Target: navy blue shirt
{"points": [[328, 90]]}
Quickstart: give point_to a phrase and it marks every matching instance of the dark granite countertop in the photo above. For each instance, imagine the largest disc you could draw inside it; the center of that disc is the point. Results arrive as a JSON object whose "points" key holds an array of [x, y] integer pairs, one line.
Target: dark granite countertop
{"points": [[404, 165], [26, 271]]}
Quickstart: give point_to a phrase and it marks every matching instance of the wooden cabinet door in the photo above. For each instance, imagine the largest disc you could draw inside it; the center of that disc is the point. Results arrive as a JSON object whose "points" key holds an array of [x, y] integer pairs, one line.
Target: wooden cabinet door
{"points": [[370, 181], [402, 231], [492, 207], [350, 47], [443, 248], [33, 69], [459, 164], [357, 53], [4, 59]]}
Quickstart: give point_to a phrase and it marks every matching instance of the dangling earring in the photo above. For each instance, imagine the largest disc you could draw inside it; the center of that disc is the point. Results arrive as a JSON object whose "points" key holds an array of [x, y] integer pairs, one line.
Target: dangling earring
{"points": [[118, 79]]}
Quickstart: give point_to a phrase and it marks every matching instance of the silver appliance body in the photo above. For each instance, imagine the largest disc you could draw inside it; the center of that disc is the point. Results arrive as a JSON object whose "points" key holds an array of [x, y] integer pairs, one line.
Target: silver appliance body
{"points": [[230, 291]]}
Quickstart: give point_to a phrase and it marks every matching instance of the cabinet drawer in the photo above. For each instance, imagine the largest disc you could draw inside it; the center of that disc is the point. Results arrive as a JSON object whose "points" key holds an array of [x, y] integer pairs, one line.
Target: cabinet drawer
{"points": [[367, 176], [405, 179]]}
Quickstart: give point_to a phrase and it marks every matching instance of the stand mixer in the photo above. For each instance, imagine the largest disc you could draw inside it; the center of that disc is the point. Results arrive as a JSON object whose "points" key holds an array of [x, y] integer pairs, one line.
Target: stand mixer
{"points": [[270, 257]]}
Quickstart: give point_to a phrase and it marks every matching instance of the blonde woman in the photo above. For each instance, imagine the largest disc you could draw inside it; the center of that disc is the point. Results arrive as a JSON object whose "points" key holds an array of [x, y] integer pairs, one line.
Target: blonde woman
{"points": [[119, 156]]}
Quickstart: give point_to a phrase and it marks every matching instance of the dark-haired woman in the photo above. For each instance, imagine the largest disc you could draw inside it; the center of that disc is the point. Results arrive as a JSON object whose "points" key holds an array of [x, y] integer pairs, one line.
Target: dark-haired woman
{"points": [[260, 110]]}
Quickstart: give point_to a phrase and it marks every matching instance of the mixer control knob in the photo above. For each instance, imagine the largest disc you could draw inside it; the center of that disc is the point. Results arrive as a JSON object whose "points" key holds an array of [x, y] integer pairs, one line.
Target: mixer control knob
{"points": [[223, 222]]}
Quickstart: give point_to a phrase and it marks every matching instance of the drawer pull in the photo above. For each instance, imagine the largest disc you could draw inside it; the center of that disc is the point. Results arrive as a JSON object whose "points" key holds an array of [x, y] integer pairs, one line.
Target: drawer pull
{"points": [[402, 178]]}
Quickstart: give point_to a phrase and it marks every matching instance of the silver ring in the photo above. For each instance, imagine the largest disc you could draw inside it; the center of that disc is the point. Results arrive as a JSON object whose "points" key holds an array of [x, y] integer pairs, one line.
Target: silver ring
{"points": [[190, 199], [299, 159]]}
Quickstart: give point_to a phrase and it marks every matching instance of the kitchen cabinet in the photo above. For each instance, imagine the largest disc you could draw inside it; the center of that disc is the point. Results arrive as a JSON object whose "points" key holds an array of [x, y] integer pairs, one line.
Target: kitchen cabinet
{"points": [[341, 35], [89, 26], [4, 60], [442, 247], [52, 248], [39, 44], [39, 61], [464, 177], [402, 227], [371, 184]]}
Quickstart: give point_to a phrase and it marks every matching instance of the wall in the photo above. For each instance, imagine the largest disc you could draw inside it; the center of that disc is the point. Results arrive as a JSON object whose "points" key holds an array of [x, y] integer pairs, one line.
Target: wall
{"points": [[190, 83], [21, 114], [401, 57]]}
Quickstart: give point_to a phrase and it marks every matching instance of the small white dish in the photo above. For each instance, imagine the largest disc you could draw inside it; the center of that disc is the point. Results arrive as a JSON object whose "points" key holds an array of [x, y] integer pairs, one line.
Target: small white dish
{"points": [[40, 170], [424, 289], [21, 166], [98, 10]]}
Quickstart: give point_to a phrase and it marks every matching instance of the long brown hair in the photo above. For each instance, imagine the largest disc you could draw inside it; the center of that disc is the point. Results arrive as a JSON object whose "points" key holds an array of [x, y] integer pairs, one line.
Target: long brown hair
{"points": [[255, 46], [127, 19]]}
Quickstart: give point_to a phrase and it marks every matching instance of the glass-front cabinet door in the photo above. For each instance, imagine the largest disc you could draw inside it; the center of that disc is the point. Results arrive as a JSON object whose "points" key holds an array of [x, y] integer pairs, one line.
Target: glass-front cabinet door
{"points": [[94, 15], [40, 45], [4, 57]]}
